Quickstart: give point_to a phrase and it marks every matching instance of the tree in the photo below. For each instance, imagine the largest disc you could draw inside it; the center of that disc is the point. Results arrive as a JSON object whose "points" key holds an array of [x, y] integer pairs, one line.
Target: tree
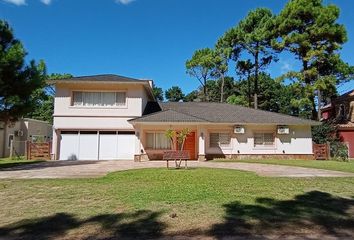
{"points": [[244, 68], [192, 96], [310, 31], [253, 36], [44, 99], [18, 80], [201, 66], [158, 93], [174, 94]]}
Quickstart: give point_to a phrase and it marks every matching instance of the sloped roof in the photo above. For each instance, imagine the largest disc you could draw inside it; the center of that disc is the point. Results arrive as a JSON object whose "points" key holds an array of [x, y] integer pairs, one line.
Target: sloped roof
{"points": [[207, 112], [101, 78]]}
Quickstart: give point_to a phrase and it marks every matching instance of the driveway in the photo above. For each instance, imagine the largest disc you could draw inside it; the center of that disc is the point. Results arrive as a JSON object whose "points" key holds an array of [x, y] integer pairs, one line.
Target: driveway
{"points": [[83, 169]]}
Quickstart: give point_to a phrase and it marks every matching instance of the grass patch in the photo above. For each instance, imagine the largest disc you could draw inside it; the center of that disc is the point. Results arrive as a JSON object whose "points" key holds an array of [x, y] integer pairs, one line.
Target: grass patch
{"points": [[328, 165], [157, 203], [15, 162]]}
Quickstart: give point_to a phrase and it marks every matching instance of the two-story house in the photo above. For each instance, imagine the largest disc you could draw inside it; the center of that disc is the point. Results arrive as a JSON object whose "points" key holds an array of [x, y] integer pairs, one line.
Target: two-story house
{"points": [[112, 117], [341, 111]]}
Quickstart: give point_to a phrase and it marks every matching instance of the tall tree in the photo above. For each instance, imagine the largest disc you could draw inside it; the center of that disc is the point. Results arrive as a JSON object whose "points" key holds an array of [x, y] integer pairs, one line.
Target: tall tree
{"points": [[174, 94], [253, 37], [244, 68], [44, 100], [310, 31], [18, 80], [201, 66], [158, 93]]}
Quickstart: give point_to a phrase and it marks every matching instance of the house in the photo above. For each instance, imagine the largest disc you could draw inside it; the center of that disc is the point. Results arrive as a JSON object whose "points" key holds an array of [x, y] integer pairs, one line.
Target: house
{"points": [[341, 111], [17, 133], [113, 117]]}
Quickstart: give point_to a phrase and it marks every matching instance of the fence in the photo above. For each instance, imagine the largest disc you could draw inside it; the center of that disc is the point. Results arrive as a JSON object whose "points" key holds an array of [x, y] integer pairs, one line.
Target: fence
{"points": [[38, 151], [321, 151]]}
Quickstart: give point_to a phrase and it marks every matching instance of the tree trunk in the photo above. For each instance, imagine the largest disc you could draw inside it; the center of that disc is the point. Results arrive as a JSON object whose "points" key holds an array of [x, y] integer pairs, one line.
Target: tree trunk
{"points": [[256, 64], [205, 91], [249, 88], [319, 97], [222, 88]]}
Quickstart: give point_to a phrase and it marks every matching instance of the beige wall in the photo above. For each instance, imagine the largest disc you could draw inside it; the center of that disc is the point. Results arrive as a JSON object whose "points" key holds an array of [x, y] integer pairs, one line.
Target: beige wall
{"points": [[136, 100], [29, 127], [299, 141]]}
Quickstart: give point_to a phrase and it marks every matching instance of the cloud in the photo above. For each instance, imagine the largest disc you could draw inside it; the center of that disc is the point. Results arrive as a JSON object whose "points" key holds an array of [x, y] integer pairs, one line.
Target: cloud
{"points": [[46, 2], [17, 2], [124, 2], [286, 66]]}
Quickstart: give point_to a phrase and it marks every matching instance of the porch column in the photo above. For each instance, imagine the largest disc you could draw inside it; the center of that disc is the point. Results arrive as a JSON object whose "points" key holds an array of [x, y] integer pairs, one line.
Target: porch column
{"points": [[55, 142], [137, 153], [201, 144]]}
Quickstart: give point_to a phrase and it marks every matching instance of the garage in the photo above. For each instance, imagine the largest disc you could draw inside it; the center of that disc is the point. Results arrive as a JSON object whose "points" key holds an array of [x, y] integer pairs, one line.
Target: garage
{"points": [[97, 145]]}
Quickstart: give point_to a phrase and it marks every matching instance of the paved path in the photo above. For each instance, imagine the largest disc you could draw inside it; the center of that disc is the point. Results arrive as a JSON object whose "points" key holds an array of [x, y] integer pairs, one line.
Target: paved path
{"points": [[81, 169]]}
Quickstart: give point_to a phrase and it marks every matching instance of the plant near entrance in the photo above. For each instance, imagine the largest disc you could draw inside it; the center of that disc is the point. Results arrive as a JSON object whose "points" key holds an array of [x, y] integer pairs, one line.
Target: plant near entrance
{"points": [[177, 139]]}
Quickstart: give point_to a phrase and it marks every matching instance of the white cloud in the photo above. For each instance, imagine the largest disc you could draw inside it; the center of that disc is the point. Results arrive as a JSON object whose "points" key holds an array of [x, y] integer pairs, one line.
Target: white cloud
{"points": [[46, 2], [124, 2], [286, 66], [16, 2]]}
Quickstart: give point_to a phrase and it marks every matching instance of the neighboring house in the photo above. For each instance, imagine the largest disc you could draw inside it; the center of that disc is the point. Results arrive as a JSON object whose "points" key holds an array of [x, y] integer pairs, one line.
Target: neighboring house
{"points": [[19, 132], [341, 111], [113, 117]]}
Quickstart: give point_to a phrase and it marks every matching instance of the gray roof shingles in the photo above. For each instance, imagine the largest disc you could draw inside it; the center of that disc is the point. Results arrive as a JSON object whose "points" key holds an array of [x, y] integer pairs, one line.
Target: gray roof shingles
{"points": [[207, 112]]}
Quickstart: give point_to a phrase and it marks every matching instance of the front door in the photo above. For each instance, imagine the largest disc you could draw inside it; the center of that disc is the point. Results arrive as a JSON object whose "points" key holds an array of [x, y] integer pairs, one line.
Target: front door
{"points": [[189, 145]]}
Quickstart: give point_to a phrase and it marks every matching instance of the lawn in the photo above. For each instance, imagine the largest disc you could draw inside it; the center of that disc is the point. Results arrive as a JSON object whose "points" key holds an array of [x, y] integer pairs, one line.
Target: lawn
{"points": [[8, 162], [329, 165], [154, 203]]}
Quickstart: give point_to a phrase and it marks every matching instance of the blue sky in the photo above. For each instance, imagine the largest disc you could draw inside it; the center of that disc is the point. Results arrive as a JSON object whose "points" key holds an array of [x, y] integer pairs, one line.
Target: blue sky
{"points": [[149, 39]]}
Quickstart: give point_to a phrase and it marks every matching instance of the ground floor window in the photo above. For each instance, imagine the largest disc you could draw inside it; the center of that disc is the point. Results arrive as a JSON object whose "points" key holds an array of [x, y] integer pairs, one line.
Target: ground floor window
{"points": [[220, 139], [264, 139], [157, 140]]}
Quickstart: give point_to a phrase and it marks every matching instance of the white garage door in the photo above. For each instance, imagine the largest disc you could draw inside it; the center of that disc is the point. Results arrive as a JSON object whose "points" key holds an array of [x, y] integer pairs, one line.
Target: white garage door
{"points": [[126, 145], [108, 146], [88, 145], [69, 146]]}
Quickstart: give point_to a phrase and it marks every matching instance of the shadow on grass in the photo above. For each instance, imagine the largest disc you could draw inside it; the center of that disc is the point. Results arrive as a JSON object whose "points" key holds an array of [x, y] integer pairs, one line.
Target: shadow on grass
{"points": [[15, 166], [310, 213], [112, 226]]}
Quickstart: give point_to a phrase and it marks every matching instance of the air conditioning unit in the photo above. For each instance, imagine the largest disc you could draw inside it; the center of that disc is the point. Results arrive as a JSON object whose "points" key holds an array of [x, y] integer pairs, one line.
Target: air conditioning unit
{"points": [[283, 130], [239, 129]]}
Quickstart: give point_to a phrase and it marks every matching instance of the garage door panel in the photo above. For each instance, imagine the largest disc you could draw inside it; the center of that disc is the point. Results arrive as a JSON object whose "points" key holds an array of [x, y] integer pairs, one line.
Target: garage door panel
{"points": [[126, 146], [69, 147], [108, 147], [88, 146]]}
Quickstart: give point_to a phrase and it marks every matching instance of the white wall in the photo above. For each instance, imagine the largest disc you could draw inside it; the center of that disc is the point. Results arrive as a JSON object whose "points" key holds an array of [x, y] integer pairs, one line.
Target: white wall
{"points": [[299, 141]]}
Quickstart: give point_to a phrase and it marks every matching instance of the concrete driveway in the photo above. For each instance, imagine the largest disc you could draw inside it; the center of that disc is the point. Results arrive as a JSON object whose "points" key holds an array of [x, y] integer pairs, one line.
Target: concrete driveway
{"points": [[83, 169]]}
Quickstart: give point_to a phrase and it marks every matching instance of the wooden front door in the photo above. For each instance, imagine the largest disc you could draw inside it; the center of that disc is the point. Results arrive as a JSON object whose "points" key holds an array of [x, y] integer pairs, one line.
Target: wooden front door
{"points": [[189, 145]]}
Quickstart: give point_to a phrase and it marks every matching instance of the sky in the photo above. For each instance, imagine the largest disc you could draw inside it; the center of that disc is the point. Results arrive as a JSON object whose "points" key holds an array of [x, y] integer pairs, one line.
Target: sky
{"points": [[145, 39]]}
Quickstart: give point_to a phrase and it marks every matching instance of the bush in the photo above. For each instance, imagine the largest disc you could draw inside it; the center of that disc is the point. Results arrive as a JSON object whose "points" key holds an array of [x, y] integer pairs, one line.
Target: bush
{"points": [[339, 151]]}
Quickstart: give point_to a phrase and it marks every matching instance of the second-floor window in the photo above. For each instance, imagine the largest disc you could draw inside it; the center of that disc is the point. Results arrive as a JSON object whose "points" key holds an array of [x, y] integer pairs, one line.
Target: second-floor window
{"points": [[99, 99]]}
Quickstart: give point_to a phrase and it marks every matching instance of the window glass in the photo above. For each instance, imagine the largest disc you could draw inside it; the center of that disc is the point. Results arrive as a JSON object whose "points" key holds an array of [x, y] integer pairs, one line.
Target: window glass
{"points": [[77, 98], [120, 98], [220, 139], [263, 139], [108, 99], [150, 140]]}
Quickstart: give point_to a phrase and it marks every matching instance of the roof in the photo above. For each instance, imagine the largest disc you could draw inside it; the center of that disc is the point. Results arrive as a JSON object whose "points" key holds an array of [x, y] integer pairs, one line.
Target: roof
{"points": [[208, 112], [101, 78]]}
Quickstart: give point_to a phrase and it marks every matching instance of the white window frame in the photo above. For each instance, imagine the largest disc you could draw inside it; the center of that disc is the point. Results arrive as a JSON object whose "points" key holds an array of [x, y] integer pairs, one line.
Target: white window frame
{"points": [[101, 105], [222, 146], [154, 143], [264, 146]]}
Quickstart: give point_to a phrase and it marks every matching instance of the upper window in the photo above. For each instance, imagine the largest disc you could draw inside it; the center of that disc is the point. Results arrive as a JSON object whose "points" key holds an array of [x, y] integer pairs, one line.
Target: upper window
{"points": [[220, 139], [264, 139], [99, 99], [157, 141]]}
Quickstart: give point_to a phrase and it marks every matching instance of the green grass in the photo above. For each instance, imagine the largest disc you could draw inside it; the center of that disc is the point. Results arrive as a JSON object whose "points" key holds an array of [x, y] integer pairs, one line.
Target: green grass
{"points": [[8, 162], [328, 165], [163, 203]]}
